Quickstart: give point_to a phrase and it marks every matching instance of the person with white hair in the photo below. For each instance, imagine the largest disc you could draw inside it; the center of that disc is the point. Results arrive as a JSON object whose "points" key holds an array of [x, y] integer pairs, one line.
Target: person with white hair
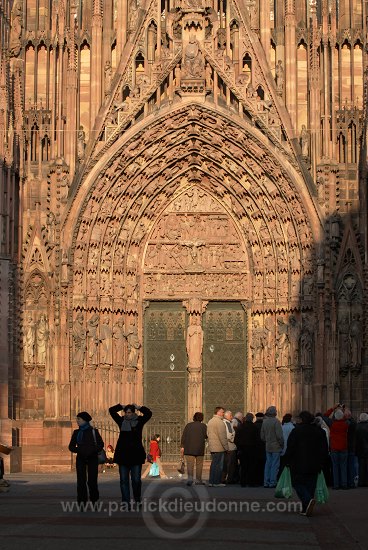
{"points": [[237, 420], [361, 449]]}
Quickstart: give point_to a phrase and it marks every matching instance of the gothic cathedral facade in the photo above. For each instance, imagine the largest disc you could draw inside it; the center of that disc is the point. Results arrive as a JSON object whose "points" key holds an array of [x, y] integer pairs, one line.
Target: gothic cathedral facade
{"points": [[183, 211]]}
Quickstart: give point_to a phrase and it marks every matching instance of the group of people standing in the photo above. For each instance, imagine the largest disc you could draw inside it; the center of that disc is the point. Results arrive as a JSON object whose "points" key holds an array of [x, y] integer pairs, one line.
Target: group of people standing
{"points": [[250, 450], [253, 449]]}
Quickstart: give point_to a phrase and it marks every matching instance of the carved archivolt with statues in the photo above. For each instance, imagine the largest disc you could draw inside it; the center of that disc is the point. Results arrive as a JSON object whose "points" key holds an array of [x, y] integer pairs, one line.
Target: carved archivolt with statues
{"points": [[193, 206]]}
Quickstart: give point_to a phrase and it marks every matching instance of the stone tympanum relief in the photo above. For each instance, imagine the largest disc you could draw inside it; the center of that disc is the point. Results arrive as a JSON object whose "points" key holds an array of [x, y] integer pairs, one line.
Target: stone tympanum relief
{"points": [[195, 249]]}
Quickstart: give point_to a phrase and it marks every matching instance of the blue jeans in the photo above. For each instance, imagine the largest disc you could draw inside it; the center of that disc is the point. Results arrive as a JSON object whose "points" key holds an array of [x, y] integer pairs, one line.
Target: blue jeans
{"points": [[216, 467], [339, 469], [271, 469], [135, 474]]}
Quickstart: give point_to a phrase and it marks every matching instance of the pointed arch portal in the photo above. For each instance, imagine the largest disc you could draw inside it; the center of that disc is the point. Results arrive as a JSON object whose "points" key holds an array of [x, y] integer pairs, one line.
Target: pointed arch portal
{"points": [[189, 220]]}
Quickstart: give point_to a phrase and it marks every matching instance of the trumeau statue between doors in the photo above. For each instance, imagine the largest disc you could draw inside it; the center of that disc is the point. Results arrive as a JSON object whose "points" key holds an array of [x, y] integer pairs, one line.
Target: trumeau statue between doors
{"points": [[188, 163]]}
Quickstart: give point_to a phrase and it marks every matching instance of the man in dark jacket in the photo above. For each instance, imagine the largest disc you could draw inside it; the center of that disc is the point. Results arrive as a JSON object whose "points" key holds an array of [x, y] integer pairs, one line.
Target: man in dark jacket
{"points": [[361, 449], [352, 465], [192, 447], [129, 452], [306, 453], [86, 442]]}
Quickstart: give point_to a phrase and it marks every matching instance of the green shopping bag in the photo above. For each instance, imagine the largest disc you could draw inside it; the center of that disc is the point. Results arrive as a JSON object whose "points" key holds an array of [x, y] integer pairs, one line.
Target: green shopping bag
{"points": [[284, 488], [322, 492]]}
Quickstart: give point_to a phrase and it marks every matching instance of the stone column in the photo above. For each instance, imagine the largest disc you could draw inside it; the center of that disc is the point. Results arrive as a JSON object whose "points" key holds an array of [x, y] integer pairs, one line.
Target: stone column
{"points": [[96, 61], [71, 99], [121, 27], [290, 60], [314, 84], [264, 25]]}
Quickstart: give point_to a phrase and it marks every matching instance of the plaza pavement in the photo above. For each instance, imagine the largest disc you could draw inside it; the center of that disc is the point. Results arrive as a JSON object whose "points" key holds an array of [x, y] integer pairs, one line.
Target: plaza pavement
{"points": [[32, 517]]}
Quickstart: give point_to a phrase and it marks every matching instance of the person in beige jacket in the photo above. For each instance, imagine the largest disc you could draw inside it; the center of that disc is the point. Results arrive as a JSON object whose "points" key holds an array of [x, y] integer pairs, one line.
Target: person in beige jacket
{"points": [[217, 445]]}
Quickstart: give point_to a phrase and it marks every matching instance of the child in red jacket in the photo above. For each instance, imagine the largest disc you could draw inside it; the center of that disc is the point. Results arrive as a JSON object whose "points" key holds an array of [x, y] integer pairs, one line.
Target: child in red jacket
{"points": [[155, 452]]}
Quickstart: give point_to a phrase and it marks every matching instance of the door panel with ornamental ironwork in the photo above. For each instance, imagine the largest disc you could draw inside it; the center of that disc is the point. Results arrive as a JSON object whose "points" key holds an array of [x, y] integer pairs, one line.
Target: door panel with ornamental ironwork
{"points": [[165, 361], [224, 357]]}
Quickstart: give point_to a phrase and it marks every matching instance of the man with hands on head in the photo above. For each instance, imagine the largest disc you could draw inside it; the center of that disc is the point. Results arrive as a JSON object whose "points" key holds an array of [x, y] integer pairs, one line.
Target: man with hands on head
{"points": [[129, 452]]}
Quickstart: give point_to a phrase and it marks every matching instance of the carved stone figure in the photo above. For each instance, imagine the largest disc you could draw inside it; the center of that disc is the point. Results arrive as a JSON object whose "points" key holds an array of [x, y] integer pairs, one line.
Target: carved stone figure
{"points": [[81, 142], [356, 343], [194, 343], [16, 29], [105, 341], [193, 59], [279, 77], [306, 346], [118, 335], [134, 346], [42, 336], [208, 74], [50, 224], [344, 345], [304, 141], [133, 14], [108, 77], [93, 341], [257, 345], [29, 340], [282, 345], [293, 333], [79, 341], [177, 73]]}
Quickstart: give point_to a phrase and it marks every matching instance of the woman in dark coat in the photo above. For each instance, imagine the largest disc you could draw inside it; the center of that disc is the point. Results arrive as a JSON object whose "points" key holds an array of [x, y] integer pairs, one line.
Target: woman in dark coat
{"points": [[246, 443], [192, 447], [129, 452], [86, 442]]}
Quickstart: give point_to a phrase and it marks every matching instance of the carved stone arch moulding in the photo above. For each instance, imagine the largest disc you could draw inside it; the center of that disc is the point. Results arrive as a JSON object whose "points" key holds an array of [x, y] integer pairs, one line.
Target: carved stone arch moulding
{"points": [[192, 149]]}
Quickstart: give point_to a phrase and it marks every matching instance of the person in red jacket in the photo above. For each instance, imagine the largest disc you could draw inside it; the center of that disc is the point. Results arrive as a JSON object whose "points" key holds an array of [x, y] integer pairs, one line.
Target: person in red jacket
{"points": [[339, 447]]}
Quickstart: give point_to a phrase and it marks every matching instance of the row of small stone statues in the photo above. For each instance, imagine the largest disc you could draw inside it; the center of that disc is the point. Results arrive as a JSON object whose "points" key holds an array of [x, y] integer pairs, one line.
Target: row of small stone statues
{"points": [[100, 341], [94, 340]]}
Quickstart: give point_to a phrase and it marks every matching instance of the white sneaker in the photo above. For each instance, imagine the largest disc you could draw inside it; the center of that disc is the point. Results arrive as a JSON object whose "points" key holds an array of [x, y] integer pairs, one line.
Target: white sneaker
{"points": [[220, 485]]}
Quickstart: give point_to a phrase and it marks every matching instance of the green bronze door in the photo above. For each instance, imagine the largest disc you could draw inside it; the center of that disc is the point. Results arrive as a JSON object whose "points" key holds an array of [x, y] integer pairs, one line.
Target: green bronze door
{"points": [[224, 357], [165, 362]]}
